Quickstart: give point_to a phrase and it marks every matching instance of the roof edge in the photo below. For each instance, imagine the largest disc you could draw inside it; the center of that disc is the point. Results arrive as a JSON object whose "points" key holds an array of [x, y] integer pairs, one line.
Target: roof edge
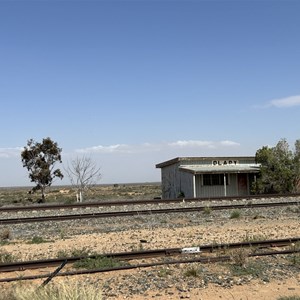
{"points": [[194, 158]]}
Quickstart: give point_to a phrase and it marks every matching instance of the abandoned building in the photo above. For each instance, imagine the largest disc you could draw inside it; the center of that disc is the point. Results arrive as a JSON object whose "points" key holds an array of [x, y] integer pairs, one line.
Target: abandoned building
{"points": [[193, 177]]}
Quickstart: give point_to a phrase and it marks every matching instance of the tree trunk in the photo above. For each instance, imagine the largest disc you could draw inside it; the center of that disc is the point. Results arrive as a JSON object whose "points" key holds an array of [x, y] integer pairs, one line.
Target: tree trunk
{"points": [[43, 195], [80, 196]]}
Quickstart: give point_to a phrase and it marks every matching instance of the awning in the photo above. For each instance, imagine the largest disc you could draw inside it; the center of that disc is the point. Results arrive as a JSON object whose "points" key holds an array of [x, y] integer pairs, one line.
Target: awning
{"points": [[204, 169]]}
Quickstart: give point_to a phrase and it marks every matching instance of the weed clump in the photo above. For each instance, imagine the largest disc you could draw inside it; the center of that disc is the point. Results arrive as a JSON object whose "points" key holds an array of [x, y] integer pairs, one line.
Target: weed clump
{"points": [[37, 240], [235, 214], [207, 210], [191, 272], [254, 238], [164, 272], [6, 257], [239, 257], [100, 262]]}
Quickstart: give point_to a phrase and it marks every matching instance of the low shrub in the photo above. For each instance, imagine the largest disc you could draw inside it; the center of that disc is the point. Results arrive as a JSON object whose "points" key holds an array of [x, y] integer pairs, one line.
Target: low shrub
{"points": [[235, 214], [191, 272], [164, 272], [37, 240], [207, 210], [239, 257], [5, 234], [255, 269], [100, 262]]}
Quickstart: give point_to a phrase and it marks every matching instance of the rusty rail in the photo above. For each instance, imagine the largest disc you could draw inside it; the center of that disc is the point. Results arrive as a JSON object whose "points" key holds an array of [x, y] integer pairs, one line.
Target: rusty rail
{"points": [[147, 265], [135, 255], [138, 202], [145, 212]]}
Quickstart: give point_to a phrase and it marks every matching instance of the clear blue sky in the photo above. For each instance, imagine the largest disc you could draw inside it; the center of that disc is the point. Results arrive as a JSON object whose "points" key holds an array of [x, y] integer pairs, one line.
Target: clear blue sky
{"points": [[134, 83]]}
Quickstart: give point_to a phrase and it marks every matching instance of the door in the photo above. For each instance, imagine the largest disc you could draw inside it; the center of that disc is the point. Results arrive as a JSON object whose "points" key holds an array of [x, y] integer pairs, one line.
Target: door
{"points": [[242, 184]]}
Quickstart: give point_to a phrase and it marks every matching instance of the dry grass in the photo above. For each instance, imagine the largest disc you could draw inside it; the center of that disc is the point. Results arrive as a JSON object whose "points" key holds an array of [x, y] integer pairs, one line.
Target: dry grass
{"points": [[239, 256], [66, 194], [57, 291], [5, 234]]}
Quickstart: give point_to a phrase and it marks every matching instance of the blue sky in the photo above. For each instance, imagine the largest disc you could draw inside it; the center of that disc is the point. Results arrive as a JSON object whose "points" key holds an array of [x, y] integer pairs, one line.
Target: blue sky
{"points": [[134, 83]]}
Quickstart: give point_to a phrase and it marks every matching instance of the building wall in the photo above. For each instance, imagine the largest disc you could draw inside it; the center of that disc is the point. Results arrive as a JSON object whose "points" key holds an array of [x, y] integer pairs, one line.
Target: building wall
{"points": [[187, 186], [170, 182], [176, 181], [216, 190]]}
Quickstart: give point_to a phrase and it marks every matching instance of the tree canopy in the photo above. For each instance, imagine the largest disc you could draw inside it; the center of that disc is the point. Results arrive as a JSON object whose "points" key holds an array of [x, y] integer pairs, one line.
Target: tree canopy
{"points": [[40, 159], [280, 168]]}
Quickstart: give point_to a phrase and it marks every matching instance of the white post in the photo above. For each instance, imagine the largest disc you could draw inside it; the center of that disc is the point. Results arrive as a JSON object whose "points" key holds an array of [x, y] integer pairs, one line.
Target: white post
{"points": [[225, 191], [194, 185]]}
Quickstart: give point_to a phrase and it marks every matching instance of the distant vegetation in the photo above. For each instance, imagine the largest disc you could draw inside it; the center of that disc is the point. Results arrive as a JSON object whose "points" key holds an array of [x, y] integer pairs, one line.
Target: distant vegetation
{"points": [[66, 194]]}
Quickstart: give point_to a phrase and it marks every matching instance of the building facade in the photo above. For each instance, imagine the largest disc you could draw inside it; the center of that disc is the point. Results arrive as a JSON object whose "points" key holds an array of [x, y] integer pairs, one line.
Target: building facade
{"points": [[193, 177]]}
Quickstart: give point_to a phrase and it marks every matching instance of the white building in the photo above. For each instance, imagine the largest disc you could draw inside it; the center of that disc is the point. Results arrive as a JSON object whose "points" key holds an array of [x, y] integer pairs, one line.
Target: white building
{"points": [[193, 177]]}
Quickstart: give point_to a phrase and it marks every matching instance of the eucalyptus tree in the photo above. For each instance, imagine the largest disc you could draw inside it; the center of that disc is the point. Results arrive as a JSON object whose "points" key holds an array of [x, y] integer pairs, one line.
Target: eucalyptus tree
{"points": [[280, 168], [40, 160]]}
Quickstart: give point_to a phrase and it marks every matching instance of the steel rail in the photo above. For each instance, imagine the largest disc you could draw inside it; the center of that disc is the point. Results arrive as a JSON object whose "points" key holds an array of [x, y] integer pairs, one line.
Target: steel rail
{"points": [[147, 265], [36, 264], [144, 212], [138, 202]]}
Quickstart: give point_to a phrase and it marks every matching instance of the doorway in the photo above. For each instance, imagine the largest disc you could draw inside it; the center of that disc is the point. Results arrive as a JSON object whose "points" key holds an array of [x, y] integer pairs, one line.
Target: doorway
{"points": [[242, 184]]}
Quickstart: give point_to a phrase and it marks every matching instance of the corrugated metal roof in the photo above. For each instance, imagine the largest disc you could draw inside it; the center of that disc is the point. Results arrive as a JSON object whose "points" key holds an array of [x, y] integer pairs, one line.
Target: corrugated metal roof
{"points": [[240, 168], [193, 159]]}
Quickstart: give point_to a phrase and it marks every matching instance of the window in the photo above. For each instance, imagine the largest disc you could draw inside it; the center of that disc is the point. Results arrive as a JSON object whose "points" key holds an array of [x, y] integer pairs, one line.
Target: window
{"points": [[206, 179], [214, 179]]}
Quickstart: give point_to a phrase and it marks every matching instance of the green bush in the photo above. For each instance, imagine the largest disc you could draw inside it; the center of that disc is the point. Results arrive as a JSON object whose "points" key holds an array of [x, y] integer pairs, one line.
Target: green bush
{"points": [[191, 272], [235, 214]]}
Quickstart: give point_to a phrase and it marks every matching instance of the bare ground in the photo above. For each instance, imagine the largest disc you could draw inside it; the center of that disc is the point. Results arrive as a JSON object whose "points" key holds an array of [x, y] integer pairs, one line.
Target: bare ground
{"points": [[230, 231]]}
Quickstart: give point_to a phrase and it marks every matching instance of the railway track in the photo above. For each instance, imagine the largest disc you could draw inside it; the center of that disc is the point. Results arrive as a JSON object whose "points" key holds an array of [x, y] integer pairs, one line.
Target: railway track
{"points": [[20, 266], [144, 212], [135, 255], [137, 202]]}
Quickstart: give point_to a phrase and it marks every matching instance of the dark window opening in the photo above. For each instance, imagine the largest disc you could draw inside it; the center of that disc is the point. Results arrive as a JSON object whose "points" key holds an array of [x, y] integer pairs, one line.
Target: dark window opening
{"points": [[214, 179]]}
